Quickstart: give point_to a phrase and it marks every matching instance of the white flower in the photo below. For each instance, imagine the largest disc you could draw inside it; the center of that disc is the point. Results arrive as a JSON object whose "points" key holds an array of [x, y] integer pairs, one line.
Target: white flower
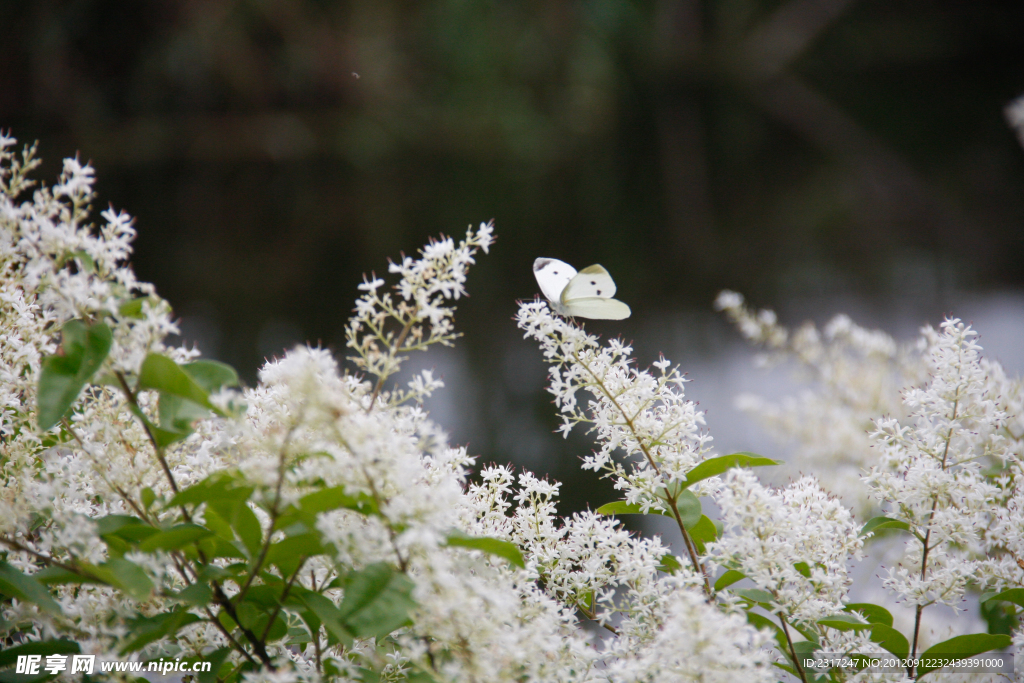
{"points": [[640, 414], [699, 643], [929, 471], [793, 542]]}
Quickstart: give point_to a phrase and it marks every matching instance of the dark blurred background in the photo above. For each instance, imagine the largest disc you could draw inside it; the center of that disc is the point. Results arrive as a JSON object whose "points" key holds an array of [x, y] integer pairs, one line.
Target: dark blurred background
{"points": [[816, 155]]}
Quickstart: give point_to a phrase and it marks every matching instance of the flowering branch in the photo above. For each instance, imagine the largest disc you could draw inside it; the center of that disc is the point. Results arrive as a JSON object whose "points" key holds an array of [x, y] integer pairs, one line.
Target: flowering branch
{"points": [[641, 413]]}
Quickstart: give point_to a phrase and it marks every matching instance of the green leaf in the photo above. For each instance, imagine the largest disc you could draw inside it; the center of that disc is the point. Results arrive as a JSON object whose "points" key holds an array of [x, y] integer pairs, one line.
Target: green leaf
{"points": [[174, 538], [148, 497], [144, 630], [669, 564], [218, 525], [377, 600], [178, 414], [890, 639], [712, 467], [183, 391], [244, 522], [703, 532], [288, 552], [163, 437], [227, 504], [132, 308], [82, 352], [278, 629], [1000, 616], [367, 675], [689, 509], [215, 546], [875, 614], [54, 576], [212, 572], [727, 579], [26, 588], [162, 374], [621, 507], [197, 595], [963, 646], [335, 498], [39, 647], [220, 487], [211, 375], [216, 660], [265, 596], [125, 527], [85, 260], [110, 524], [845, 622], [419, 676], [878, 523], [328, 615], [249, 614], [493, 546], [1014, 595], [755, 594], [127, 576], [806, 631], [804, 649]]}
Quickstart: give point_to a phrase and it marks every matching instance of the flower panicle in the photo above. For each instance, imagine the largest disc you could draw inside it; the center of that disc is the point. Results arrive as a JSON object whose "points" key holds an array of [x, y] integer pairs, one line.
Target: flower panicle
{"points": [[929, 472], [768, 534], [417, 314], [642, 414]]}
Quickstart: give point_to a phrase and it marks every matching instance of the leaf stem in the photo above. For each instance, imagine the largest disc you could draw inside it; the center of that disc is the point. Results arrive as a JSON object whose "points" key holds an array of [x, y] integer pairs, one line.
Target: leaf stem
{"points": [[589, 614], [130, 395], [927, 535]]}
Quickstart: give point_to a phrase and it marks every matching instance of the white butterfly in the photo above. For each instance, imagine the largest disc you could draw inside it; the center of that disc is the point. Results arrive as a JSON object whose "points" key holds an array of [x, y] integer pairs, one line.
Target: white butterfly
{"points": [[586, 294]]}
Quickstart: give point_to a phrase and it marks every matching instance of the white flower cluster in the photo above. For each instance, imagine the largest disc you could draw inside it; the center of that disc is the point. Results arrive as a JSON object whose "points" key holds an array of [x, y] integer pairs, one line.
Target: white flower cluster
{"points": [[56, 266], [853, 375], [481, 620], [696, 642], [929, 472], [794, 543], [940, 450], [386, 326], [587, 562], [663, 626], [644, 414]]}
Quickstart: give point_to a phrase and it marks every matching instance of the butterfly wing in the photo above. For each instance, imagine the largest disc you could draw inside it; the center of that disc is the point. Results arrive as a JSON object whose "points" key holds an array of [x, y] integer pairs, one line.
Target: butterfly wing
{"points": [[552, 276], [592, 281], [595, 308]]}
